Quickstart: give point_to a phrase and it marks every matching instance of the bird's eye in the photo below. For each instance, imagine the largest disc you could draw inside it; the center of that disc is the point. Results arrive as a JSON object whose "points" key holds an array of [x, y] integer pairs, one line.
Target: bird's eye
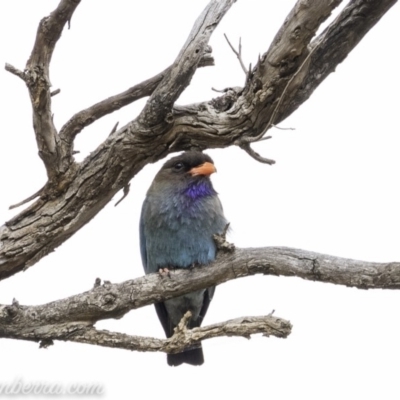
{"points": [[178, 166]]}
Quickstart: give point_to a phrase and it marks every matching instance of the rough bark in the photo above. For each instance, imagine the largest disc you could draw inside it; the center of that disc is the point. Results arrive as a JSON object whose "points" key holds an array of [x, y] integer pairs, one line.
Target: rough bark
{"points": [[284, 77], [85, 333], [73, 318]]}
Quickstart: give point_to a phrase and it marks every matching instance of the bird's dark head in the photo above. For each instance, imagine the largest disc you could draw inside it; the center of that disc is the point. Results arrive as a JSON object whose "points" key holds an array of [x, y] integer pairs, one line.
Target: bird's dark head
{"points": [[187, 173], [189, 164]]}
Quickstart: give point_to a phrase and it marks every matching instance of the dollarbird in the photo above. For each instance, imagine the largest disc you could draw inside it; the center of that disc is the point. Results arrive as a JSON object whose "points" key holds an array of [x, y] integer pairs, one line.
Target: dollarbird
{"points": [[180, 215]]}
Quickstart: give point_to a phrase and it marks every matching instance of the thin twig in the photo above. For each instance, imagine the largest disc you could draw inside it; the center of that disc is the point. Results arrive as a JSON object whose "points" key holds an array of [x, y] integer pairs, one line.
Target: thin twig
{"points": [[248, 76], [282, 129], [220, 91], [114, 129], [15, 71], [265, 138], [247, 148], [126, 192], [55, 92], [37, 194], [238, 53]]}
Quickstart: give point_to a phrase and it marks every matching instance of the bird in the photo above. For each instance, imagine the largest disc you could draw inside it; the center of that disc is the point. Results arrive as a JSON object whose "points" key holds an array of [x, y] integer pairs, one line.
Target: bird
{"points": [[180, 214]]}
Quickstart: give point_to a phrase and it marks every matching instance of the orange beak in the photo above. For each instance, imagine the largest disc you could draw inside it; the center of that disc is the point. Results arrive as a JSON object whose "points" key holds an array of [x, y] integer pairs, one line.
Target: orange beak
{"points": [[204, 169]]}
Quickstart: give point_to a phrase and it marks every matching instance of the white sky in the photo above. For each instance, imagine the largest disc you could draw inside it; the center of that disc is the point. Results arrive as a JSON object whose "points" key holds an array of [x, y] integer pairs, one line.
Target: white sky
{"points": [[334, 190]]}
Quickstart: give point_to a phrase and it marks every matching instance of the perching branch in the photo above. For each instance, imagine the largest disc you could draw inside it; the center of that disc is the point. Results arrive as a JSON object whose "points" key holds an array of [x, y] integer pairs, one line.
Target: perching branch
{"points": [[73, 318]]}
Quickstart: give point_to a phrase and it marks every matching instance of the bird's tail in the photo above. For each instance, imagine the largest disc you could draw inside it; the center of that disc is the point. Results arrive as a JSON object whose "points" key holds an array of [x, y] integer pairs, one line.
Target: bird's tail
{"points": [[191, 356]]}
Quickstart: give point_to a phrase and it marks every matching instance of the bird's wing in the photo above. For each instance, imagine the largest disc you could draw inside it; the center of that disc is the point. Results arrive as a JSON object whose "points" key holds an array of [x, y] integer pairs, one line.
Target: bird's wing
{"points": [[164, 319], [166, 322], [160, 307], [208, 295], [142, 237]]}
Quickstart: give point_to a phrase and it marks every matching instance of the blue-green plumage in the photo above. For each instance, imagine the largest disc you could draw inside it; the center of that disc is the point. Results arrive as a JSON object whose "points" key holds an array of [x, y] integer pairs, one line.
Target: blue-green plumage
{"points": [[180, 215]]}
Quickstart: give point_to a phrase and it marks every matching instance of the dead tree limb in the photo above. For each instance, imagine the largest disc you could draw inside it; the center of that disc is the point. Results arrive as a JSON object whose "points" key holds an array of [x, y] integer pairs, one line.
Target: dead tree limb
{"points": [[183, 337], [73, 318], [76, 192], [37, 79]]}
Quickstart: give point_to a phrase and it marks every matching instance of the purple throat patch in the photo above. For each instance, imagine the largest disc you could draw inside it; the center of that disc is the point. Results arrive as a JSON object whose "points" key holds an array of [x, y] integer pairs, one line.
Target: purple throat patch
{"points": [[199, 189]]}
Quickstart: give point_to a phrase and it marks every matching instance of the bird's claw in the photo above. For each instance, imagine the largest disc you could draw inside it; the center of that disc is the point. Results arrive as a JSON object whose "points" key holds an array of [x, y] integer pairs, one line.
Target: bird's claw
{"points": [[164, 272], [194, 265]]}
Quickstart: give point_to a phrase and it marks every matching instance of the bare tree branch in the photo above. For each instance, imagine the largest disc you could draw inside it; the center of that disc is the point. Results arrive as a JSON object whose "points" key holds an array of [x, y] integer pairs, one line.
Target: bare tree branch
{"points": [[159, 106], [183, 337], [37, 78], [125, 193], [15, 71], [73, 318], [253, 154], [84, 189], [27, 200], [86, 117], [334, 45], [55, 92], [285, 60], [115, 300], [238, 53]]}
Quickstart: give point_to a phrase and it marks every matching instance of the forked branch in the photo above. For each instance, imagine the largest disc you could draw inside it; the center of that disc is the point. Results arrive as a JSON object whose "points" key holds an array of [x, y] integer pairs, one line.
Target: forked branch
{"points": [[183, 337], [37, 78], [283, 79], [160, 104], [73, 318]]}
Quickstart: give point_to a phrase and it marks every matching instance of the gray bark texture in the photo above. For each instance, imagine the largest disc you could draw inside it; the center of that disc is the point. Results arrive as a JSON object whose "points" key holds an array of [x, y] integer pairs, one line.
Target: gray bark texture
{"points": [[284, 77]]}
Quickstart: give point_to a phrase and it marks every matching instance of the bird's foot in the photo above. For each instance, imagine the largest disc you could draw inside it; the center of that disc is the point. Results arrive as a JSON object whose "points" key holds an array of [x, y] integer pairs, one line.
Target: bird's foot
{"points": [[164, 272]]}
